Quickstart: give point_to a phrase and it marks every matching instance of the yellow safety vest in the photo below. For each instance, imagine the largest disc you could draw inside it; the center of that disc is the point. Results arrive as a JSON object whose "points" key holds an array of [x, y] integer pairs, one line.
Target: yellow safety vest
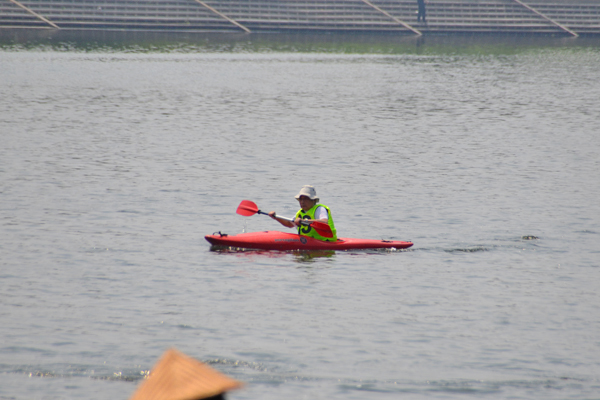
{"points": [[306, 230]]}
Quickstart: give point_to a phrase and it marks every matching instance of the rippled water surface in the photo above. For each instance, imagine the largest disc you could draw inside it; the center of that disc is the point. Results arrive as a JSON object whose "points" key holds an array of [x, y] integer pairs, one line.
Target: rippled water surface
{"points": [[117, 160]]}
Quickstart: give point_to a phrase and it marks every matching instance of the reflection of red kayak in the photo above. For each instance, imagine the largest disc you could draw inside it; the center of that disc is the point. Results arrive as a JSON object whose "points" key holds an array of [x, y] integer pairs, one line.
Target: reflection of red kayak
{"points": [[274, 240]]}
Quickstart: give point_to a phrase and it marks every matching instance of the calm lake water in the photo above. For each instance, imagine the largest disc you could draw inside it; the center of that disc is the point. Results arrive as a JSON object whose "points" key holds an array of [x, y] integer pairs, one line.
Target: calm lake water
{"points": [[119, 155]]}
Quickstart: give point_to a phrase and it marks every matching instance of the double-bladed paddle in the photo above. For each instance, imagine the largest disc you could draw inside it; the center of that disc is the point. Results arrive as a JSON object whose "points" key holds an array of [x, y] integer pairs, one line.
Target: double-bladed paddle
{"points": [[248, 208]]}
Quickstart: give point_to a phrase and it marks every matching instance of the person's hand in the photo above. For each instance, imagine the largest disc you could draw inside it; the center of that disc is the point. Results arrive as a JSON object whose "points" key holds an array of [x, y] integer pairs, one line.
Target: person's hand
{"points": [[272, 214]]}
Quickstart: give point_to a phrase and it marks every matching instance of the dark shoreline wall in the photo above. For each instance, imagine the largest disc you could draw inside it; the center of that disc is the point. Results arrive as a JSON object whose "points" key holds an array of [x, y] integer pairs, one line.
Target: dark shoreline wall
{"points": [[523, 17]]}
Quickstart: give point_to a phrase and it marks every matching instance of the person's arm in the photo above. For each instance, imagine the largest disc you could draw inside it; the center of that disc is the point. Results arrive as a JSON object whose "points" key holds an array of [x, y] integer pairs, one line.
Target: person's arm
{"points": [[320, 215], [283, 222]]}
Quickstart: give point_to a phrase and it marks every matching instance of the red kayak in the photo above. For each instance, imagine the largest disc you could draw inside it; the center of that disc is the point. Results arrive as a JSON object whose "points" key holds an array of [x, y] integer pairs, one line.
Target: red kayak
{"points": [[275, 240]]}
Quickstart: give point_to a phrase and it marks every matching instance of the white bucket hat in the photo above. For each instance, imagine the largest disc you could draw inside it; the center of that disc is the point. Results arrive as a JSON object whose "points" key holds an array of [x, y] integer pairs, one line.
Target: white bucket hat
{"points": [[309, 192]]}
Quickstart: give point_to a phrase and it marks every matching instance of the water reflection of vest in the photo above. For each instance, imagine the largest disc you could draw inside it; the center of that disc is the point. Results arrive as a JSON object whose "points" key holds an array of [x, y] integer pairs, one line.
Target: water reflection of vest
{"points": [[309, 231]]}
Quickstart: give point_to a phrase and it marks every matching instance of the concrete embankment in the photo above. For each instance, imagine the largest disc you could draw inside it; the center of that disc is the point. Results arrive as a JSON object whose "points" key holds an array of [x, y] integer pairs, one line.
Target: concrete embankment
{"points": [[527, 17]]}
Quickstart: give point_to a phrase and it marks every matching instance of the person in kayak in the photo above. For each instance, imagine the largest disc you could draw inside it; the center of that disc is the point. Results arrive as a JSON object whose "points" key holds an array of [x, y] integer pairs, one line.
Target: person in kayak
{"points": [[311, 211]]}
